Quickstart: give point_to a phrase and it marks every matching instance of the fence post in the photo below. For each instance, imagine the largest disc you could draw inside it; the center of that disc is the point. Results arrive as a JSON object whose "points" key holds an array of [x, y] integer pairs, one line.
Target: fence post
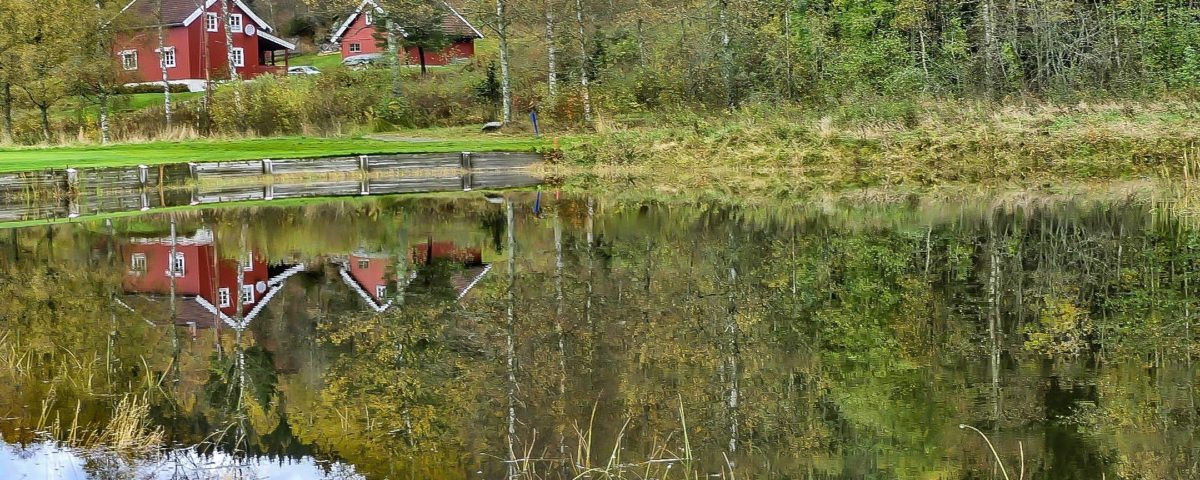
{"points": [[72, 178], [145, 201], [192, 171], [268, 168], [468, 181], [364, 163], [364, 187], [269, 191], [143, 175], [467, 160]]}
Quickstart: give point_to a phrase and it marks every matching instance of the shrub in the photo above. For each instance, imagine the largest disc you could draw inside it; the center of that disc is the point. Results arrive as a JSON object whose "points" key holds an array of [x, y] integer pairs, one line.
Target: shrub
{"points": [[149, 88]]}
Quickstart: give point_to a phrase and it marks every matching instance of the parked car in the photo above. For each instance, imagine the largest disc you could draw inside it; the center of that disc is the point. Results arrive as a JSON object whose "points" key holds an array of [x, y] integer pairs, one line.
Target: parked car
{"points": [[362, 61], [303, 70]]}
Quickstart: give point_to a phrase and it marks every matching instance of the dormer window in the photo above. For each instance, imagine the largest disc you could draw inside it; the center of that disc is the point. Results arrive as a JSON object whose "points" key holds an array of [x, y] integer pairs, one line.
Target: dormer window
{"points": [[235, 23], [369, 18]]}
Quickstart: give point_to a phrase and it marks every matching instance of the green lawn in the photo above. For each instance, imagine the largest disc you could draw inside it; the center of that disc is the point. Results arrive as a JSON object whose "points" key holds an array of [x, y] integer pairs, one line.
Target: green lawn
{"points": [[320, 61], [153, 153], [138, 101]]}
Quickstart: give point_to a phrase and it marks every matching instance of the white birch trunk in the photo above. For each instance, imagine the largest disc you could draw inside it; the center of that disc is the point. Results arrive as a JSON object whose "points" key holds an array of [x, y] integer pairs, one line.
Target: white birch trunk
{"points": [[393, 46], [162, 65], [989, 39], [551, 54], [105, 131], [505, 82], [233, 74], [510, 346], [726, 53], [101, 51], [585, 89]]}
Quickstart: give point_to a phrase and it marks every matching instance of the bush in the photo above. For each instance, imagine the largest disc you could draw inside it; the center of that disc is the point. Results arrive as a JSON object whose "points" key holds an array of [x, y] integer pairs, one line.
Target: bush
{"points": [[149, 88]]}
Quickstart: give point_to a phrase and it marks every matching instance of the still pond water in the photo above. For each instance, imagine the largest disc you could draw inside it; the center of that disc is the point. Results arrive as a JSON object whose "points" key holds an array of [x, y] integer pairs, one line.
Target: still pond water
{"points": [[461, 338]]}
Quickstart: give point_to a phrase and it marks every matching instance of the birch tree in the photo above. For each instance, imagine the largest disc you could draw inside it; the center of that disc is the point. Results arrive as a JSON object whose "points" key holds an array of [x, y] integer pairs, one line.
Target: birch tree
{"points": [[162, 65], [11, 32], [46, 56], [585, 91], [505, 80], [551, 52], [233, 75]]}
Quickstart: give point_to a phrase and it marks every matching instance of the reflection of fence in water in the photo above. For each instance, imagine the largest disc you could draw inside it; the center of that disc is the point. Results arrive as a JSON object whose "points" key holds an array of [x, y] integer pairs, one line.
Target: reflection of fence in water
{"points": [[70, 193]]}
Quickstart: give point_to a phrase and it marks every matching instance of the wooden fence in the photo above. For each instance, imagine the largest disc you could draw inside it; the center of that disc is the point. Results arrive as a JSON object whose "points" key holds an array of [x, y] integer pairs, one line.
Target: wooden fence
{"points": [[70, 193]]}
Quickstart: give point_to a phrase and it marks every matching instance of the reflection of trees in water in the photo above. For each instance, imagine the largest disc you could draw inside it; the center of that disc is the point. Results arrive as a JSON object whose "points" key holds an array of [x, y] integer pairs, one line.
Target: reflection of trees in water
{"points": [[834, 344]]}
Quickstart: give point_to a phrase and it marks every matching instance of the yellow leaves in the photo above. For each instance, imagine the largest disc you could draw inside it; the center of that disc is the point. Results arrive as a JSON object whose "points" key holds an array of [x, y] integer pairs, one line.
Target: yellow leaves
{"points": [[1062, 329]]}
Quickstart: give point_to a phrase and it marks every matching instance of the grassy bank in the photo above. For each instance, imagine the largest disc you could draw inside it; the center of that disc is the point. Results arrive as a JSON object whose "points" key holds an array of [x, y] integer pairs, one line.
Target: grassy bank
{"points": [[153, 153], [789, 153]]}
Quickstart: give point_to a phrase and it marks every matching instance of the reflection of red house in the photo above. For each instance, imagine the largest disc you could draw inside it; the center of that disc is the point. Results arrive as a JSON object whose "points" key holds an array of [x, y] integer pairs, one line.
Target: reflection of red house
{"points": [[358, 36], [214, 288], [368, 273], [194, 37]]}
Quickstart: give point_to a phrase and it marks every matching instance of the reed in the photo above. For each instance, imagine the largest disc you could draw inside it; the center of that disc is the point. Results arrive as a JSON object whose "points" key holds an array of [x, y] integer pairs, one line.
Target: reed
{"points": [[661, 462]]}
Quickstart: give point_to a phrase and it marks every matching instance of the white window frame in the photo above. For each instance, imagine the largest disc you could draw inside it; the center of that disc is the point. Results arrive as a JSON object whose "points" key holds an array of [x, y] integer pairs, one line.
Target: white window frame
{"points": [[381, 291], [137, 262], [247, 294], [249, 265], [212, 22], [239, 57], [236, 24], [129, 60], [223, 299], [178, 267], [167, 59], [369, 18], [355, 47], [364, 263]]}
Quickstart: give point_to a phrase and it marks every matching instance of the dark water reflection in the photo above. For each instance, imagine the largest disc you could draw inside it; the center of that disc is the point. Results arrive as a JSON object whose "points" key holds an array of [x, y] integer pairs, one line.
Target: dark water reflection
{"points": [[452, 337]]}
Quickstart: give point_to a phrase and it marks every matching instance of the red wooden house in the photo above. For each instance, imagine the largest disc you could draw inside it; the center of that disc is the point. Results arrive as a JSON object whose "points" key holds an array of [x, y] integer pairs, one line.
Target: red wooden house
{"points": [[368, 273], [358, 37], [208, 286], [194, 38]]}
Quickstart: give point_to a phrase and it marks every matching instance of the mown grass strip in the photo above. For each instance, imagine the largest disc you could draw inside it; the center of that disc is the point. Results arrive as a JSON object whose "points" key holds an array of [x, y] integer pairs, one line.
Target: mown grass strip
{"points": [[157, 153]]}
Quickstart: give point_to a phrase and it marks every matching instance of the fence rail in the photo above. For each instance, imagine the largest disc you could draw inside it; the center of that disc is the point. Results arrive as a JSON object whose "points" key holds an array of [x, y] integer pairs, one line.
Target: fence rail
{"points": [[70, 193]]}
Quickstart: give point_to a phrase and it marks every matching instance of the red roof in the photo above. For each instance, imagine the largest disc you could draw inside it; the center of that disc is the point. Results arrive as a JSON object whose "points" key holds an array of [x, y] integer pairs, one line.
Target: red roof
{"points": [[174, 12]]}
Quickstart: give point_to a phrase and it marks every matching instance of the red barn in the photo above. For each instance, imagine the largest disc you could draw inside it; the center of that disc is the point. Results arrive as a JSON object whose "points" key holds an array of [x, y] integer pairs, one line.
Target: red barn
{"points": [[357, 36], [194, 38]]}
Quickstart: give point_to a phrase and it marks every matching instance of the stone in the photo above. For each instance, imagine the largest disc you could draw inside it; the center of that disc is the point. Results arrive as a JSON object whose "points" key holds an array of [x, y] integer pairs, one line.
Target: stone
{"points": [[492, 126]]}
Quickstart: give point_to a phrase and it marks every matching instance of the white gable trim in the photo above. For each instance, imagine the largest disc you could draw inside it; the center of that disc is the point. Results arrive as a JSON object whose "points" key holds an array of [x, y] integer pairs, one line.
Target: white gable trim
{"points": [[475, 280], [363, 293], [275, 283], [285, 43], [242, 6], [337, 36], [464, 20]]}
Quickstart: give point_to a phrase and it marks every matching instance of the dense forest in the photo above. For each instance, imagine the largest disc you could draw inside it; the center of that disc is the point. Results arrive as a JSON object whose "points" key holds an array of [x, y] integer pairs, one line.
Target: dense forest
{"points": [[583, 59]]}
